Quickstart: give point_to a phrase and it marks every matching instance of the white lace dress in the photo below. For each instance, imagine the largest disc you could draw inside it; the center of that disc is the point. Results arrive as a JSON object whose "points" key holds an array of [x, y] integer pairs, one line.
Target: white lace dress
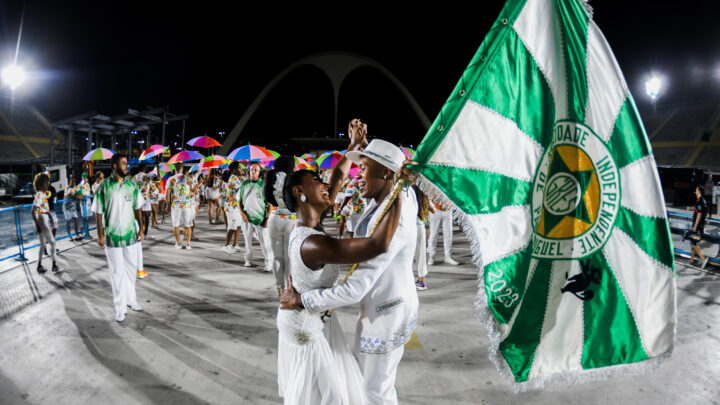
{"points": [[315, 364]]}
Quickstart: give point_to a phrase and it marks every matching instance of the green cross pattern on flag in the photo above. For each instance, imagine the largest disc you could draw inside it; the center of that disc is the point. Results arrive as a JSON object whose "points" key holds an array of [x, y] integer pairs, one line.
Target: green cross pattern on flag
{"points": [[542, 153]]}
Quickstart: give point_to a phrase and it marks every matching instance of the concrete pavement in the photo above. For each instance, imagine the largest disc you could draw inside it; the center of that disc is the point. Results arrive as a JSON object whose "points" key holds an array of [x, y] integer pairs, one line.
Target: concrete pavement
{"points": [[207, 335]]}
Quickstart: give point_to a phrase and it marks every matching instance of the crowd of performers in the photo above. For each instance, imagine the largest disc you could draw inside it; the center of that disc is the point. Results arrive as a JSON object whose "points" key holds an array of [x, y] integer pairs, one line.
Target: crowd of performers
{"points": [[284, 209]]}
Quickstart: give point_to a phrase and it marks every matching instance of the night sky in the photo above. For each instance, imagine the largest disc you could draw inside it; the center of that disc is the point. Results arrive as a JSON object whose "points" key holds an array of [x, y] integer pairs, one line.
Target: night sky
{"points": [[211, 62]]}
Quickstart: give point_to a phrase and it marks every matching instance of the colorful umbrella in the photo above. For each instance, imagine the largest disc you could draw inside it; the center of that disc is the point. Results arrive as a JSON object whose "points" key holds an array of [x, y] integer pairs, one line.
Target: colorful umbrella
{"points": [[203, 142], [99, 154], [213, 161], [409, 153], [302, 164], [251, 153], [275, 154], [329, 160], [153, 151], [308, 156], [165, 170], [185, 156]]}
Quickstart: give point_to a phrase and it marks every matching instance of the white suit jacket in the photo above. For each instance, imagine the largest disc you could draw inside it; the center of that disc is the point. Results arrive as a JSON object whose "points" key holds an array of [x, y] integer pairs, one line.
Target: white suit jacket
{"points": [[384, 286]]}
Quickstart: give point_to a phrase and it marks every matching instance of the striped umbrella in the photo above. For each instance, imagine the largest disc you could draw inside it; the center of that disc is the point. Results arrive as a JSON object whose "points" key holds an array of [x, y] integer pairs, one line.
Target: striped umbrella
{"points": [[213, 161], [251, 153], [185, 156], [409, 153], [203, 142], [328, 160], [99, 154], [275, 154], [302, 164], [165, 170], [308, 156], [155, 150]]}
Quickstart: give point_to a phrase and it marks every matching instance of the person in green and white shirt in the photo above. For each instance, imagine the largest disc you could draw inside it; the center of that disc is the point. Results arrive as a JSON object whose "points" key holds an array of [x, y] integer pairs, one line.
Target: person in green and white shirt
{"points": [[181, 205], [254, 211], [117, 204]]}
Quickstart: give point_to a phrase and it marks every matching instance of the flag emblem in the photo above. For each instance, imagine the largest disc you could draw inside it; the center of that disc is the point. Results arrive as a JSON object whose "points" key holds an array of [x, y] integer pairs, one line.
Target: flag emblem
{"points": [[576, 194]]}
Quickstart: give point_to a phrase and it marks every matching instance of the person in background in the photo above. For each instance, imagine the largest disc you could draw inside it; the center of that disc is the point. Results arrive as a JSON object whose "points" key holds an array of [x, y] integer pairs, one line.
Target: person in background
{"points": [[52, 201], [254, 211], [232, 207], [440, 216], [182, 210], [282, 220], [70, 209], [84, 199], [699, 217], [117, 205], [43, 220], [211, 196], [424, 209]]}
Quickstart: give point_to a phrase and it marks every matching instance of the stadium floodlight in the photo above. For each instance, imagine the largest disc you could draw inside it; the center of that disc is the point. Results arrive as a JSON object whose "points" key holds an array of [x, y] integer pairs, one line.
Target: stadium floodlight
{"points": [[13, 76], [652, 87]]}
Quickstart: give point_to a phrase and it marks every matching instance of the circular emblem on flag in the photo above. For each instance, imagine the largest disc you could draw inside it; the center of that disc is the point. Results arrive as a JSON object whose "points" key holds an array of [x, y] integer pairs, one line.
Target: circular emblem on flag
{"points": [[576, 194]]}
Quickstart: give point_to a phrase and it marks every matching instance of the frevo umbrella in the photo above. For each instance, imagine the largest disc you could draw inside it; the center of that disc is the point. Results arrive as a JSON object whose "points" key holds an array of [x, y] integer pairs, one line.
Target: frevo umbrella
{"points": [[99, 154], [203, 142], [251, 153], [155, 150], [185, 156]]}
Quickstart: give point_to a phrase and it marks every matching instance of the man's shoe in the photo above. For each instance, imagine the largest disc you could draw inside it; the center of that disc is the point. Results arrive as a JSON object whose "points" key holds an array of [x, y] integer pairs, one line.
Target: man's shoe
{"points": [[136, 307], [120, 317], [55, 268], [705, 262], [431, 261], [235, 249], [41, 269], [248, 263], [142, 273], [178, 246], [227, 249], [449, 260], [420, 285], [268, 268], [188, 246]]}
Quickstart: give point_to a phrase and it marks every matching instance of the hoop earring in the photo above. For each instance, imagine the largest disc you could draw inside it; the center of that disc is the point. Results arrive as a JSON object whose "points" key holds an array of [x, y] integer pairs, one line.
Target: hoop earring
{"points": [[303, 198], [385, 177]]}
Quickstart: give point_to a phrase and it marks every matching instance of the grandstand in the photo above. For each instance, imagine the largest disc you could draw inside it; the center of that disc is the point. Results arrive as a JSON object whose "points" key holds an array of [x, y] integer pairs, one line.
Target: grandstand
{"points": [[25, 134], [685, 135]]}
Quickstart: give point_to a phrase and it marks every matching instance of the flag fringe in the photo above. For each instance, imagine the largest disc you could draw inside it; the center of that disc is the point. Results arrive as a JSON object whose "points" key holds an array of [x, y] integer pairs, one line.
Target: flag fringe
{"points": [[485, 315], [588, 8]]}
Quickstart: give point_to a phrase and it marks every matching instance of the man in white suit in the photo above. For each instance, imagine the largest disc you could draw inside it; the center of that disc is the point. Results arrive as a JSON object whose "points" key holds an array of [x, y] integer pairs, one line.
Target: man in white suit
{"points": [[384, 286]]}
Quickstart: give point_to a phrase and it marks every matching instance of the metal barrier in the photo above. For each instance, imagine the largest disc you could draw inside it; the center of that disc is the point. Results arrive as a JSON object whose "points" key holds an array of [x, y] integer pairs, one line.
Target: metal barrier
{"points": [[72, 218], [680, 222]]}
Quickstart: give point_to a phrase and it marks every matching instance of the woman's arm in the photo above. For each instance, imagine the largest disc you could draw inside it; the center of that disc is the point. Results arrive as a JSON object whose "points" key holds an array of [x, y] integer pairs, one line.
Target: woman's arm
{"points": [[357, 132], [318, 250]]}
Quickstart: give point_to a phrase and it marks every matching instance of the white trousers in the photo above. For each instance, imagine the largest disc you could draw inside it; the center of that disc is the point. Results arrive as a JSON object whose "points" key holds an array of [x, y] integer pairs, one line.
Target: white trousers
{"points": [[379, 371], [140, 264], [45, 236], [263, 237], [279, 232], [435, 219], [420, 255], [122, 262]]}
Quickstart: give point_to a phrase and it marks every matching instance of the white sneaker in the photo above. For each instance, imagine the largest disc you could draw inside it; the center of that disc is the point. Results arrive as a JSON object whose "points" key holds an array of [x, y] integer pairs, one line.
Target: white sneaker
{"points": [[248, 263], [120, 317], [178, 246], [227, 249], [235, 248], [704, 263], [136, 307], [188, 246], [268, 268], [449, 260], [431, 261]]}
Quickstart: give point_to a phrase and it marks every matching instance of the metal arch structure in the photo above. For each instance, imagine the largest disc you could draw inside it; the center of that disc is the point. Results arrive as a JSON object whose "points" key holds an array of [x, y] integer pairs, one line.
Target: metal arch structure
{"points": [[337, 66]]}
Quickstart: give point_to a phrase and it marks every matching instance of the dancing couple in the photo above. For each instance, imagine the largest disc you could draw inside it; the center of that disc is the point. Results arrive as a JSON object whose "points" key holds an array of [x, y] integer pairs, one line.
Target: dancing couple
{"points": [[315, 365]]}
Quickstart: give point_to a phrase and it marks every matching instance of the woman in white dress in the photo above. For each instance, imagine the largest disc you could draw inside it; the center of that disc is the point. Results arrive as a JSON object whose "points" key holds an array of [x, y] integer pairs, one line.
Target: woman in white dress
{"points": [[315, 364]]}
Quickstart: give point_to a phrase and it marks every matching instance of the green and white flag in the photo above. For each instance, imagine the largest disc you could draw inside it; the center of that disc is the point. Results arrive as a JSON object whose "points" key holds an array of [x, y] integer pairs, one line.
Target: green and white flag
{"points": [[541, 151]]}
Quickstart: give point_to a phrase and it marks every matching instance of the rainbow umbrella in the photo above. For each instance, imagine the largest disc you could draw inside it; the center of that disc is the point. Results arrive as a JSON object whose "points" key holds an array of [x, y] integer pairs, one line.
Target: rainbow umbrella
{"points": [[213, 161], [328, 160], [153, 151], [251, 153], [203, 142], [165, 170], [302, 164], [275, 154], [308, 156], [184, 156], [99, 154], [409, 153]]}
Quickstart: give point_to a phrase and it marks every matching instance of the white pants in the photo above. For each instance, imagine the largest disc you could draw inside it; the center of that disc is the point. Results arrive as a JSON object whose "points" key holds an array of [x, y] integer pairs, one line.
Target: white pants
{"points": [[420, 256], [45, 236], [379, 371], [122, 262], [182, 216], [234, 220], [263, 237], [140, 264], [279, 231], [435, 219]]}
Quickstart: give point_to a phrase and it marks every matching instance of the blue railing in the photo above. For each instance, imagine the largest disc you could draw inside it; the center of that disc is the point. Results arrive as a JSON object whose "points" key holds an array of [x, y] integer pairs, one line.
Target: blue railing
{"points": [[72, 218]]}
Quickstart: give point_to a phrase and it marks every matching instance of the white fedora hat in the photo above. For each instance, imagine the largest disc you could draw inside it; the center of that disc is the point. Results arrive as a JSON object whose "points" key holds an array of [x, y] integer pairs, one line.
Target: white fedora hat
{"points": [[382, 152]]}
